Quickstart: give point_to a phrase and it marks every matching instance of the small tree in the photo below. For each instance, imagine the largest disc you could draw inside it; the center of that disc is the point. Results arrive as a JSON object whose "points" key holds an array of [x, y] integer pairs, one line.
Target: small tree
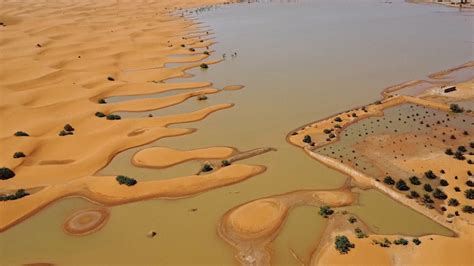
{"points": [[225, 163], [307, 139], [389, 180], [453, 202], [415, 181], [207, 168], [401, 185], [343, 245], [352, 219], [325, 211], [401, 241], [427, 187], [439, 194], [455, 108], [416, 241], [18, 154], [21, 134], [204, 66], [101, 101], [429, 174], [468, 209], [469, 193], [125, 180], [414, 194], [443, 182], [449, 151], [99, 114]]}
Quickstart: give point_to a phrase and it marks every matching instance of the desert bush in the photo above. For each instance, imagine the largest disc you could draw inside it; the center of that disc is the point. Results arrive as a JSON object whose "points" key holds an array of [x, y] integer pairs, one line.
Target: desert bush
{"points": [[453, 202], [332, 135], [20, 193], [327, 131], [21, 134], [429, 174], [414, 194], [207, 168], [389, 180], [449, 151], [192, 49], [64, 133], [439, 194], [416, 241], [469, 183], [462, 149], [427, 199], [225, 163], [125, 180], [469, 193], [468, 209], [110, 79], [402, 185], [68, 127], [401, 241], [99, 114], [101, 101], [352, 219], [6, 173], [360, 233], [415, 181], [457, 189], [113, 117], [206, 52], [443, 182], [427, 188], [307, 139], [204, 66], [458, 155], [338, 119], [455, 108], [343, 245], [18, 154], [325, 211], [202, 98]]}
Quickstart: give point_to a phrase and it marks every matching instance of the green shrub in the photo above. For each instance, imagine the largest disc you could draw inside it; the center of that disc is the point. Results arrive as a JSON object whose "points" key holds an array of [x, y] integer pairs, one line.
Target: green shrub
{"points": [[206, 52], [101, 101], [469, 193], [6, 173], [443, 182], [439, 194], [462, 149], [18, 154], [64, 133], [225, 163], [307, 139], [325, 211], [352, 219], [414, 194], [21, 134], [327, 131], [113, 117], [415, 181], [416, 241], [202, 97], [468, 209], [401, 241], [204, 66], [99, 114], [389, 180], [469, 183], [343, 245], [192, 49], [402, 185], [455, 108], [429, 174], [338, 119], [18, 195], [68, 127], [453, 202], [125, 180], [207, 168], [427, 188], [449, 151], [458, 155]]}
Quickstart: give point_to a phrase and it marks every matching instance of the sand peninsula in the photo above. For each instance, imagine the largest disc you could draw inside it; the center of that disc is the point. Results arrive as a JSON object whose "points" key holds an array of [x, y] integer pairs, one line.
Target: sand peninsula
{"points": [[418, 144], [58, 130]]}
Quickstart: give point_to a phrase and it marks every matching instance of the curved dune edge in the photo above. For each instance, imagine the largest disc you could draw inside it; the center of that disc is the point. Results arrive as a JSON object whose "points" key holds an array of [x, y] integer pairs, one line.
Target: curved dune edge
{"points": [[233, 87], [106, 190], [86, 221], [161, 157], [251, 227]]}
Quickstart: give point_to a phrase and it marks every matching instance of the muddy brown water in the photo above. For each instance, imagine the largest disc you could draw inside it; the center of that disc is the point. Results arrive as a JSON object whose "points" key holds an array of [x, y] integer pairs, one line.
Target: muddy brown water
{"points": [[299, 62]]}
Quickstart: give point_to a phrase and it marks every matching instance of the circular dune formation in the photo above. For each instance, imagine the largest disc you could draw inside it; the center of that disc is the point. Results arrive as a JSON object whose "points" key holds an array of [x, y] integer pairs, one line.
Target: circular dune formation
{"points": [[86, 222], [256, 219]]}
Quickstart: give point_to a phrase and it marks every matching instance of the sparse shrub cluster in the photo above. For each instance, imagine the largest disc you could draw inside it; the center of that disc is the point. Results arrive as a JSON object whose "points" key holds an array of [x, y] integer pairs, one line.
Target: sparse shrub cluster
{"points": [[401, 241], [343, 245], [125, 180], [18, 195]]}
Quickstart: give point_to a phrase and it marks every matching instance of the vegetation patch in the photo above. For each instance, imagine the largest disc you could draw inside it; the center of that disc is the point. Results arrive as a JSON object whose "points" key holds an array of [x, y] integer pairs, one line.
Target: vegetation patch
{"points": [[21, 134], [125, 180], [325, 211], [343, 245], [18, 195], [6, 173]]}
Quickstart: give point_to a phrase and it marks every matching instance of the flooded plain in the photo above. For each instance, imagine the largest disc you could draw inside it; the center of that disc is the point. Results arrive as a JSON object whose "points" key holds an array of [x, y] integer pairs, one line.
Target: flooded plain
{"points": [[299, 61]]}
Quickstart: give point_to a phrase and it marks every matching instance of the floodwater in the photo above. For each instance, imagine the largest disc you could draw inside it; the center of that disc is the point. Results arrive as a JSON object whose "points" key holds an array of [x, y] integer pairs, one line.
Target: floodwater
{"points": [[299, 61]]}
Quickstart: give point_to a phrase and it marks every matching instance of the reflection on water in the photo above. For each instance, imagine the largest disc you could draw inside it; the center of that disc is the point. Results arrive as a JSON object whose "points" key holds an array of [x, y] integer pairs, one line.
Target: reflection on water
{"points": [[299, 62]]}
